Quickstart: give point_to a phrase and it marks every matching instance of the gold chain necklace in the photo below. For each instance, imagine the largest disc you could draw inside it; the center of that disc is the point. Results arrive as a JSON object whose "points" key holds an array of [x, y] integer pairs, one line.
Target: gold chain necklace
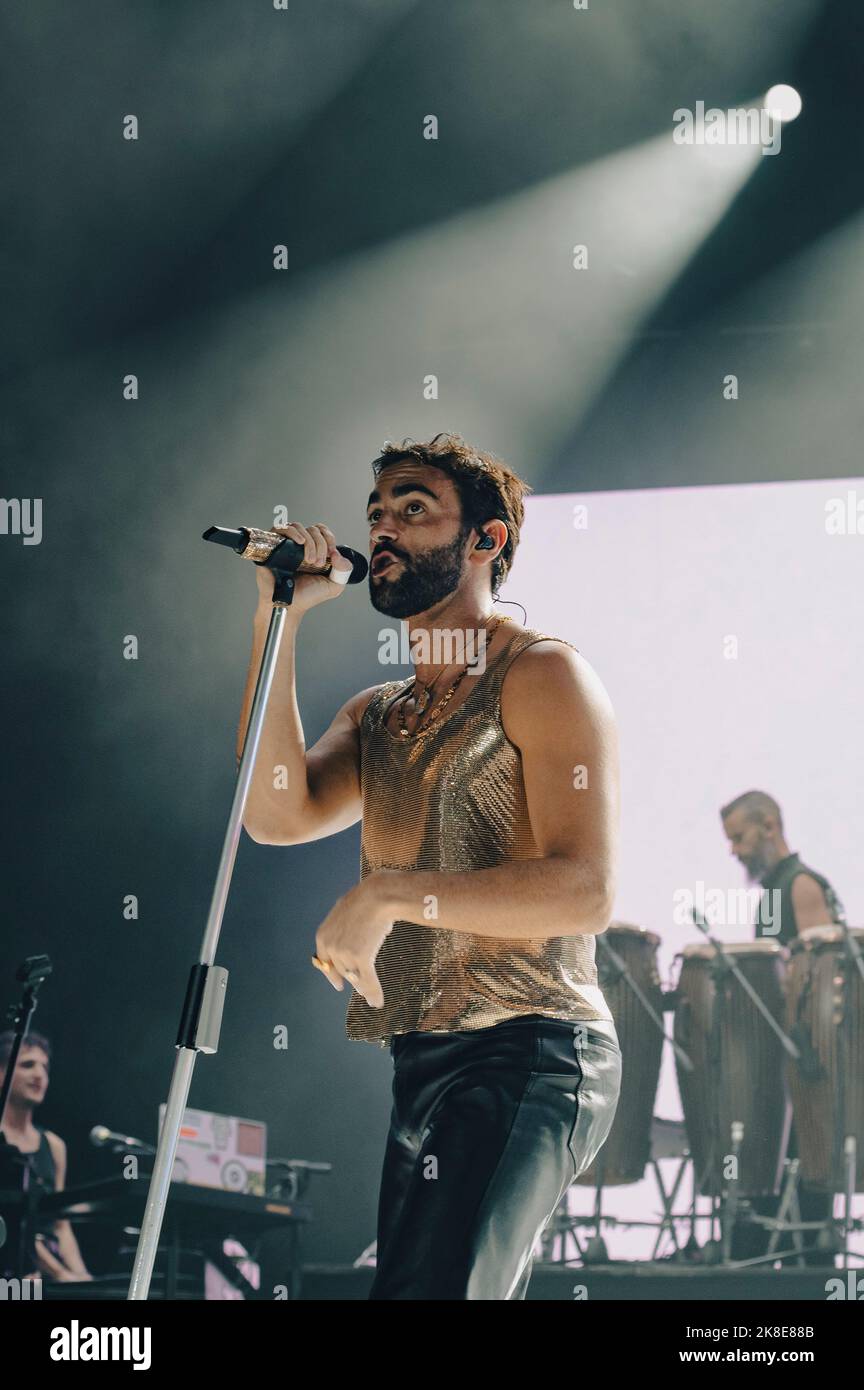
{"points": [[425, 699], [406, 695]]}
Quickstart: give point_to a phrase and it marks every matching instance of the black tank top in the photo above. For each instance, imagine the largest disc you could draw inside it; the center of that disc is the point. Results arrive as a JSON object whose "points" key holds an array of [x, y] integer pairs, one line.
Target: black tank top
{"points": [[40, 1172], [780, 879], [42, 1166]]}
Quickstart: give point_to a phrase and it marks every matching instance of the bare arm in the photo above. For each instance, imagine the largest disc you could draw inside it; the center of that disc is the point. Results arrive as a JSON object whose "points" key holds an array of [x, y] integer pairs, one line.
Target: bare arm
{"points": [[556, 711], [808, 901], [72, 1266], [296, 796]]}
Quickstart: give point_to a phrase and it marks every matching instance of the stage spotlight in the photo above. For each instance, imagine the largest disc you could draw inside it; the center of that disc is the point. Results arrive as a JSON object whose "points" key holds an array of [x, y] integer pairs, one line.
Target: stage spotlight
{"points": [[783, 102]]}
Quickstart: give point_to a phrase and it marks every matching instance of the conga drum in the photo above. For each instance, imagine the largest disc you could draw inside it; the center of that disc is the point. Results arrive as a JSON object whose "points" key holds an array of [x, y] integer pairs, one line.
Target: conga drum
{"points": [[625, 1154], [825, 1001], [738, 1064]]}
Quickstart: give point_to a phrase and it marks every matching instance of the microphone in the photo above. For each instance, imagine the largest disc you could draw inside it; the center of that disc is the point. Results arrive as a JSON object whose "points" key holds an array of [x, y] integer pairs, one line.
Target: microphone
{"points": [[100, 1135], [280, 553]]}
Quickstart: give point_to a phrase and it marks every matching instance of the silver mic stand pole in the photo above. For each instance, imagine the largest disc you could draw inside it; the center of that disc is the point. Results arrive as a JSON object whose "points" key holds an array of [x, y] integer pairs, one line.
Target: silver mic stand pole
{"points": [[201, 1018]]}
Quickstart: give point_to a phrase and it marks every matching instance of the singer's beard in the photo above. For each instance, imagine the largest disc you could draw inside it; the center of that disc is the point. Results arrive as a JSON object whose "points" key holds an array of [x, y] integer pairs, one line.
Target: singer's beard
{"points": [[756, 868], [425, 580]]}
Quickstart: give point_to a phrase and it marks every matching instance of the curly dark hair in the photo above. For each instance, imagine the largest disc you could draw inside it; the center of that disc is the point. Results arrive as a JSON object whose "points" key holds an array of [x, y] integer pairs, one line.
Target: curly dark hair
{"points": [[487, 487], [29, 1040]]}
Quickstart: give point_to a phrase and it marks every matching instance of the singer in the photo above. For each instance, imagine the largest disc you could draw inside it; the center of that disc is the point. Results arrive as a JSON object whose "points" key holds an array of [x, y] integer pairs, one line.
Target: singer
{"points": [[488, 793]]}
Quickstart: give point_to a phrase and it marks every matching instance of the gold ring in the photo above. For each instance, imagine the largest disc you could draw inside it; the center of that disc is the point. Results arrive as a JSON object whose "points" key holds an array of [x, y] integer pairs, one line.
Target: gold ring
{"points": [[325, 965]]}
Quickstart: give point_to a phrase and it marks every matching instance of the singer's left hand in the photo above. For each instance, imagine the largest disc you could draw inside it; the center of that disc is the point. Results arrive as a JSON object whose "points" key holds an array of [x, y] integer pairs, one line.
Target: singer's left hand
{"points": [[352, 934]]}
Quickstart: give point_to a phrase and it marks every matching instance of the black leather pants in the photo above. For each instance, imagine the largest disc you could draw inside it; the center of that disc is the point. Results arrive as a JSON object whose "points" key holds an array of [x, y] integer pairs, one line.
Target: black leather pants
{"points": [[488, 1130]]}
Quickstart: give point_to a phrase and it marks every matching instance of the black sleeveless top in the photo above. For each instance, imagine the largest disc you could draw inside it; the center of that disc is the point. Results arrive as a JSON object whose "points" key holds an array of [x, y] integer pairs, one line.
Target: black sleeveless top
{"points": [[780, 880], [42, 1166], [41, 1170]]}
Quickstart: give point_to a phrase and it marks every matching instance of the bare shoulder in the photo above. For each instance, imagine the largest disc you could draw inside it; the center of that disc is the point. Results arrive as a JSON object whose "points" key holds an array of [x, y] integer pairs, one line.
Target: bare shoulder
{"points": [[55, 1144], [356, 707], [549, 673], [806, 889]]}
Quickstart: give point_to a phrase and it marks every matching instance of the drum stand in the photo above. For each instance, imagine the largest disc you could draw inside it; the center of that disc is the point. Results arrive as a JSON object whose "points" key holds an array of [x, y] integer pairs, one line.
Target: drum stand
{"points": [[788, 1219], [565, 1225], [669, 1140], [725, 1210], [788, 1222], [730, 1208], [562, 1223]]}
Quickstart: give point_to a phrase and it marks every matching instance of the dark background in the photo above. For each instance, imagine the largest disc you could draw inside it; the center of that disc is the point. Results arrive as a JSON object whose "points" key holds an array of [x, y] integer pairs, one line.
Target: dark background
{"points": [[260, 389]]}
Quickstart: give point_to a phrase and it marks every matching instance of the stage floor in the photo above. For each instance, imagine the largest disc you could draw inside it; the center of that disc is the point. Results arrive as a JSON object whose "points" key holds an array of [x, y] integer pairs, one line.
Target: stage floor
{"points": [[623, 1282]]}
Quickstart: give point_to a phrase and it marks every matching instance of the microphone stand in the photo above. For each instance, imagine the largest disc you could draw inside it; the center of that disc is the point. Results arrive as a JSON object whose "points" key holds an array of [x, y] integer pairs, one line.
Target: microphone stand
{"points": [[622, 971], [724, 964], [201, 1016]]}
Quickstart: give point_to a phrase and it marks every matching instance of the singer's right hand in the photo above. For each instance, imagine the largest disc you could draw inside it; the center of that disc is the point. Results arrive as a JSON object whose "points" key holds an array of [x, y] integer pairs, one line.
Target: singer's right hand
{"points": [[309, 589]]}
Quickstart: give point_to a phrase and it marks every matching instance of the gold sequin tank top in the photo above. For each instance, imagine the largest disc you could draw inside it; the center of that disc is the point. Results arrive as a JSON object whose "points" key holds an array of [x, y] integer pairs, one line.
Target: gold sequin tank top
{"points": [[452, 799]]}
